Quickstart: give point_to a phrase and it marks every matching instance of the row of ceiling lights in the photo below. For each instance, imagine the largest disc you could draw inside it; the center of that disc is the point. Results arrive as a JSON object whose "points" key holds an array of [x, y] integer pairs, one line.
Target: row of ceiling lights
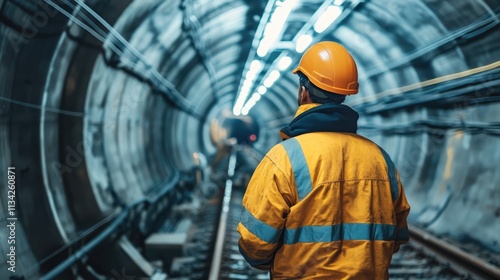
{"points": [[270, 37]]}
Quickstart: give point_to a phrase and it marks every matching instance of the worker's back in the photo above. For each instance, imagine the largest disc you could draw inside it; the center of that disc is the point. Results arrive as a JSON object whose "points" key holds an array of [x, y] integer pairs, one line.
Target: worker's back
{"points": [[343, 222]]}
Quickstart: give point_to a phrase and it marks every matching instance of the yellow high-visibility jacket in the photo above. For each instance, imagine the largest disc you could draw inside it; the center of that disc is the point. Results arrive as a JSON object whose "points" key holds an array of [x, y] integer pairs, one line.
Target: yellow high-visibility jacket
{"points": [[324, 205]]}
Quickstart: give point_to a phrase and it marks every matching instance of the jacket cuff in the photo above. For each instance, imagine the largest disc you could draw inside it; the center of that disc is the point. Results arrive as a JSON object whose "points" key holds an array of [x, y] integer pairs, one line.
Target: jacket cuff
{"points": [[402, 234], [263, 264]]}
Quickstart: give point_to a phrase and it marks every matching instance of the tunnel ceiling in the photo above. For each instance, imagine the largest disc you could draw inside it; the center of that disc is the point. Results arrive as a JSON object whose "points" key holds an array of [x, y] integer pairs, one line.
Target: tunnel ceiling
{"points": [[198, 52]]}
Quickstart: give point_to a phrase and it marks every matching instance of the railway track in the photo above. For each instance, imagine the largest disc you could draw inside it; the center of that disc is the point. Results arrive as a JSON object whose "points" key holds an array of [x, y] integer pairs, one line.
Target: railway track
{"points": [[414, 262], [233, 264], [450, 259]]}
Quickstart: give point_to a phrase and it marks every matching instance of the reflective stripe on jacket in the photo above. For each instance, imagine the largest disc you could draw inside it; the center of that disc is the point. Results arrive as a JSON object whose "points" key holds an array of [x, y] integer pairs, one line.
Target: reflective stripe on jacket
{"points": [[324, 205]]}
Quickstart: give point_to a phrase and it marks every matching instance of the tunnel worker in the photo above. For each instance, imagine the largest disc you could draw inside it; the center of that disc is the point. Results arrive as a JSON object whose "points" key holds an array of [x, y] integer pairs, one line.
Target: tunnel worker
{"points": [[325, 203]]}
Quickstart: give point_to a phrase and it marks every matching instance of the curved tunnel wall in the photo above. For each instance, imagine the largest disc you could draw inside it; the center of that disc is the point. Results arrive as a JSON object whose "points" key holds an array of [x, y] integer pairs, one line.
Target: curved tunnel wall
{"points": [[118, 136]]}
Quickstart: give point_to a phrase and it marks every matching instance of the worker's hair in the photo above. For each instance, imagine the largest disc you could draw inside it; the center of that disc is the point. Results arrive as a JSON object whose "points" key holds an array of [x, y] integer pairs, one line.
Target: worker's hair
{"points": [[318, 95]]}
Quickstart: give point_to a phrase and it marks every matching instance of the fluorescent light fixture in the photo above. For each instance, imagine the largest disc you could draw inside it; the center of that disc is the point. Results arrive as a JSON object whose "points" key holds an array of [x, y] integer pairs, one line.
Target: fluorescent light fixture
{"points": [[263, 47], [245, 111], [327, 18], [273, 76], [262, 90], [338, 2], [255, 66], [244, 93], [271, 34], [303, 42], [284, 62], [251, 102], [268, 83], [238, 106], [250, 76], [292, 3], [247, 84], [273, 28], [241, 100]]}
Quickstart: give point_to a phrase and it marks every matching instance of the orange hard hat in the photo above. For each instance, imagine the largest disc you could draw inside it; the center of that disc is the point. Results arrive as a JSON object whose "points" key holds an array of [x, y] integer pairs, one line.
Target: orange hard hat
{"points": [[329, 66]]}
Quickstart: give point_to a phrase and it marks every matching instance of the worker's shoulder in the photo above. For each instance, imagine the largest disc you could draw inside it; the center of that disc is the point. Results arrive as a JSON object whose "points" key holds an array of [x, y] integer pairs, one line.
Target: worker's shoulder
{"points": [[335, 139], [321, 142], [277, 150]]}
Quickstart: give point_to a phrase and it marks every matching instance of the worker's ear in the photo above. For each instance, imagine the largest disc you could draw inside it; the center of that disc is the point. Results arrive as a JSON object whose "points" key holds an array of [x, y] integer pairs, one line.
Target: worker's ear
{"points": [[304, 95]]}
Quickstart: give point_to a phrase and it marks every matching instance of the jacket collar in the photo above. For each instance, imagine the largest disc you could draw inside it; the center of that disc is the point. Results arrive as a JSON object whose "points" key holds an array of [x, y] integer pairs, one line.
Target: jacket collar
{"points": [[327, 117], [305, 107]]}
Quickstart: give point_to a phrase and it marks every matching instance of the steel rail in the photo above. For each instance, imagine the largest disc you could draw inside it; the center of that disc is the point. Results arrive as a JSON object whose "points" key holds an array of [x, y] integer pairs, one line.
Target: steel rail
{"points": [[458, 259], [221, 230]]}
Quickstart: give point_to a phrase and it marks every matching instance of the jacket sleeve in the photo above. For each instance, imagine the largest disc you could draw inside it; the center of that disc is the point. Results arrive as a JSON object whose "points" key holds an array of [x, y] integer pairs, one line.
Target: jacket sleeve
{"points": [[402, 209], [266, 204]]}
